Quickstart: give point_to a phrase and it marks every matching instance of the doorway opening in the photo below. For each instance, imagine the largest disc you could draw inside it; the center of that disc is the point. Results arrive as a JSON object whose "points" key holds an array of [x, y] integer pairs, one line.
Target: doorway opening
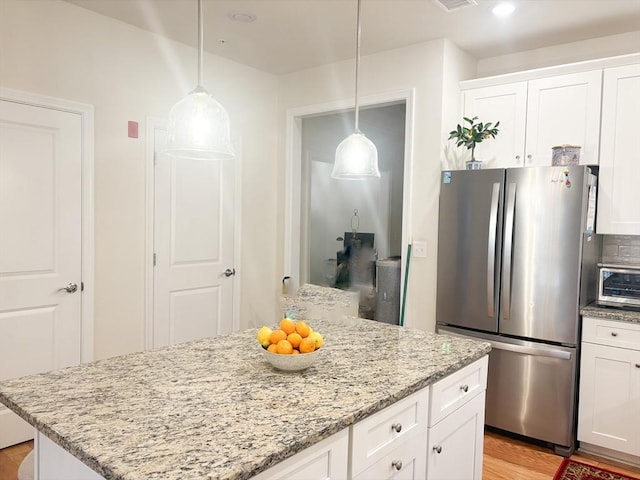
{"points": [[351, 234]]}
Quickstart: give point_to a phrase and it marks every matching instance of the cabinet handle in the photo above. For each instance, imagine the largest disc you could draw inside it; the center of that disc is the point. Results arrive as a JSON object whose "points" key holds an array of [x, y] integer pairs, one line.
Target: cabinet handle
{"points": [[518, 158], [529, 158], [464, 388], [637, 365], [438, 449], [397, 464], [614, 334], [397, 427]]}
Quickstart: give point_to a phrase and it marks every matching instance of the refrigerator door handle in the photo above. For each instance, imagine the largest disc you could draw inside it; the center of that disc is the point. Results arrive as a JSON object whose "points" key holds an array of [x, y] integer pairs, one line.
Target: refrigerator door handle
{"points": [[508, 245], [491, 249], [538, 352]]}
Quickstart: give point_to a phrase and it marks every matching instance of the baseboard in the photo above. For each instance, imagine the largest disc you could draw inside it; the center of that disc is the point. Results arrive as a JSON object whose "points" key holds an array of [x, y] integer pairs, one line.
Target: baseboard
{"points": [[612, 455]]}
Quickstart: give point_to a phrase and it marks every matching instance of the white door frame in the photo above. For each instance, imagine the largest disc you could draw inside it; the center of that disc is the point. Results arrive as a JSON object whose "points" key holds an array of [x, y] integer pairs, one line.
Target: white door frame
{"points": [[86, 113], [293, 173], [152, 124]]}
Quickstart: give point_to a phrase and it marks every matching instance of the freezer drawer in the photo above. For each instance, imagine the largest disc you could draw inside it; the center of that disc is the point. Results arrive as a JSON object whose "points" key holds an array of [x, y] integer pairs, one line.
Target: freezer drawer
{"points": [[531, 388]]}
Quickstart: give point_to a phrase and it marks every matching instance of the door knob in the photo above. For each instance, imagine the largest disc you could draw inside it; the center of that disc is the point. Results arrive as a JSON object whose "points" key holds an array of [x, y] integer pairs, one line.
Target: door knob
{"points": [[229, 272], [69, 287]]}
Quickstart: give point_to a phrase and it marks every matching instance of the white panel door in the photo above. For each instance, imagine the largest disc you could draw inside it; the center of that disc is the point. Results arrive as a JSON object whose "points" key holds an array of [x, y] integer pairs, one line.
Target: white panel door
{"points": [[609, 413], [40, 246], [618, 212], [193, 245], [506, 104], [564, 109]]}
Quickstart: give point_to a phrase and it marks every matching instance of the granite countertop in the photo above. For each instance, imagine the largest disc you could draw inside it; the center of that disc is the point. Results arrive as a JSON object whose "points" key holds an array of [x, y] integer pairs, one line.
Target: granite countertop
{"points": [[214, 408], [611, 313]]}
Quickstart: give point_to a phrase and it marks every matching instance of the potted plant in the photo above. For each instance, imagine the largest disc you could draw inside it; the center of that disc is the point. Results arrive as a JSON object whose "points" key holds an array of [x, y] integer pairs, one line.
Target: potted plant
{"points": [[472, 134]]}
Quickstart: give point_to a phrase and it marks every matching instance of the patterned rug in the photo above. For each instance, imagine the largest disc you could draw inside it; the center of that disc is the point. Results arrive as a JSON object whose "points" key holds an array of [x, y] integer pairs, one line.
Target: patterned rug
{"points": [[572, 470]]}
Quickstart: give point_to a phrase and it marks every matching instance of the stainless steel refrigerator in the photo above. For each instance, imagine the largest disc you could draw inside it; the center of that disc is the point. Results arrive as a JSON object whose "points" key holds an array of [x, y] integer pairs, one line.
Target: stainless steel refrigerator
{"points": [[517, 259]]}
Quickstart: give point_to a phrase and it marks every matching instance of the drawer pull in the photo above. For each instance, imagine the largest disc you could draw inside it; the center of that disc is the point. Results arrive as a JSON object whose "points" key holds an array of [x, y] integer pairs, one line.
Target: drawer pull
{"points": [[397, 464], [464, 388], [614, 334], [637, 365], [438, 449], [396, 427]]}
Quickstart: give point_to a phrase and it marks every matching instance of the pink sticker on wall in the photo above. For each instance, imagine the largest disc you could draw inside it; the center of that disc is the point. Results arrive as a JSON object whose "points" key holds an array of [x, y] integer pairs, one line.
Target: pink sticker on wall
{"points": [[132, 129]]}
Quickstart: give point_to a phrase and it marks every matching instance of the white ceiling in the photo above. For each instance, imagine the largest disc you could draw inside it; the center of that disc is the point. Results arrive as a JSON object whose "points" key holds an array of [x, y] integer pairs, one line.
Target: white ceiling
{"points": [[290, 35]]}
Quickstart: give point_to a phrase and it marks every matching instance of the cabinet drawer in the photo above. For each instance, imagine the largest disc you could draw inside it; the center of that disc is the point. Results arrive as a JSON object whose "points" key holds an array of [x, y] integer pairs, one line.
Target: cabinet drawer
{"points": [[405, 462], [457, 389], [610, 332], [377, 436]]}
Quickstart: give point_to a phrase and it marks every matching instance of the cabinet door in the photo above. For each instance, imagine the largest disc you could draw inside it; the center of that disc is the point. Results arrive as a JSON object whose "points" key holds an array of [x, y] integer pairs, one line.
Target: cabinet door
{"points": [[506, 104], [618, 211], [327, 460], [564, 109], [455, 444], [609, 408]]}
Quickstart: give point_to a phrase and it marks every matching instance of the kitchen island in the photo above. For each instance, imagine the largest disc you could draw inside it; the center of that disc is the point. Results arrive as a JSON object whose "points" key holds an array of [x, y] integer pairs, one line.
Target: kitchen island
{"points": [[214, 408]]}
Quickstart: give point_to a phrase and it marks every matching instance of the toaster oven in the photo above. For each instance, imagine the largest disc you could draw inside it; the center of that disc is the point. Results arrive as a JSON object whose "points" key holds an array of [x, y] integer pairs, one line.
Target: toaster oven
{"points": [[619, 285]]}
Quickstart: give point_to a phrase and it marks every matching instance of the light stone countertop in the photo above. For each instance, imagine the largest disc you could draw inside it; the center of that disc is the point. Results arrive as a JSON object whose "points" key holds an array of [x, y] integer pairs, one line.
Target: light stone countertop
{"points": [[610, 313], [214, 408]]}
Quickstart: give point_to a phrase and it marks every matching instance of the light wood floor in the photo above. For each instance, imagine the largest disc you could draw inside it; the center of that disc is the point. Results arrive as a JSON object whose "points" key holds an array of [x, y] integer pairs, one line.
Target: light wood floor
{"points": [[10, 459], [505, 458]]}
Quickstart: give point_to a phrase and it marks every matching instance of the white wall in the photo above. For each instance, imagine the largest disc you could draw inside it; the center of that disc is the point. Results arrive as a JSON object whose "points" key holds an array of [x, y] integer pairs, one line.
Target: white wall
{"points": [[418, 67], [57, 49], [591, 49]]}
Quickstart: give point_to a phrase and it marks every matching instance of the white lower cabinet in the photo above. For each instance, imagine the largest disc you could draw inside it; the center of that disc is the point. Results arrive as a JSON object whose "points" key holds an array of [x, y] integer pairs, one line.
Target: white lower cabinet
{"points": [[609, 405], [456, 444], [391, 443], [406, 462], [456, 424], [325, 460]]}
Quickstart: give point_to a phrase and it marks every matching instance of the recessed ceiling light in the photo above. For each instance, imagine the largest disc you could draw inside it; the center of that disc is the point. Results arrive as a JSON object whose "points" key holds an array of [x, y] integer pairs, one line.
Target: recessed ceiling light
{"points": [[243, 17], [503, 9]]}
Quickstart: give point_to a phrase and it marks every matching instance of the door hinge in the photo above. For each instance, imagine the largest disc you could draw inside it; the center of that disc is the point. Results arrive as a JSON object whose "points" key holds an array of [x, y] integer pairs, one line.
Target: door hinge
{"points": [[154, 259]]}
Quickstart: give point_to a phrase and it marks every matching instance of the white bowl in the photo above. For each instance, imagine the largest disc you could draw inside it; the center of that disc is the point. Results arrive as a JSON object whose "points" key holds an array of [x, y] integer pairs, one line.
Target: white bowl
{"points": [[291, 363]]}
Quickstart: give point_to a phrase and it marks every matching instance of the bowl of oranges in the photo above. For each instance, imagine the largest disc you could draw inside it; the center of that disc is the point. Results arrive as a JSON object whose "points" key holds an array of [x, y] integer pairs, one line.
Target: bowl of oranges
{"points": [[292, 346]]}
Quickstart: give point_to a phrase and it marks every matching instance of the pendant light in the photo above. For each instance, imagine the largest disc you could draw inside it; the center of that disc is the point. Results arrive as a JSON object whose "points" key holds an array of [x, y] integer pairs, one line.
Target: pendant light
{"points": [[356, 156], [198, 124]]}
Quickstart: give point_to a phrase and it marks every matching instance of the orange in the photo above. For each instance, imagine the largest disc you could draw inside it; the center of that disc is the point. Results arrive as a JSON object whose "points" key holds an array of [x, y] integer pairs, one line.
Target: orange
{"points": [[287, 325], [307, 345], [294, 339], [272, 348], [284, 347], [276, 336], [295, 352], [303, 329]]}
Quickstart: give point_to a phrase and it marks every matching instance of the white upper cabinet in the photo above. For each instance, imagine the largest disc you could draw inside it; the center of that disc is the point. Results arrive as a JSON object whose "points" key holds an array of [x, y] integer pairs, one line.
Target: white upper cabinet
{"points": [[618, 211], [537, 115], [564, 109], [507, 104]]}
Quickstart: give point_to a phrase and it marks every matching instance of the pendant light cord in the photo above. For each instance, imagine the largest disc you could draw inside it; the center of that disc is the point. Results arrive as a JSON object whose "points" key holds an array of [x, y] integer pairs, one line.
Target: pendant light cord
{"points": [[200, 41], [357, 129]]}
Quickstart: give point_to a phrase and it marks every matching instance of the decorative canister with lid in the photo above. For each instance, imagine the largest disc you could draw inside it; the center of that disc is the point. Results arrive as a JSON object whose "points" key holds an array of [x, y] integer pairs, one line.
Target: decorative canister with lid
{"points": [[565, 155]]}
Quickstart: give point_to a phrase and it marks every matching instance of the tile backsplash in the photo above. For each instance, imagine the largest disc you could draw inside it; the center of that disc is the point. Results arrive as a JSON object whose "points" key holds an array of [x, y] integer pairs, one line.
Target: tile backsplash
{"points": [[621, 249]]}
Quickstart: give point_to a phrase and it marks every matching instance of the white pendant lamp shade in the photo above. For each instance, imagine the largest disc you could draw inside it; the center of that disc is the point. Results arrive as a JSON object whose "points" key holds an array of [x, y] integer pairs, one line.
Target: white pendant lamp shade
{"points": [[356, 158], [198, 125], [356, 155], [199, 128]]}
